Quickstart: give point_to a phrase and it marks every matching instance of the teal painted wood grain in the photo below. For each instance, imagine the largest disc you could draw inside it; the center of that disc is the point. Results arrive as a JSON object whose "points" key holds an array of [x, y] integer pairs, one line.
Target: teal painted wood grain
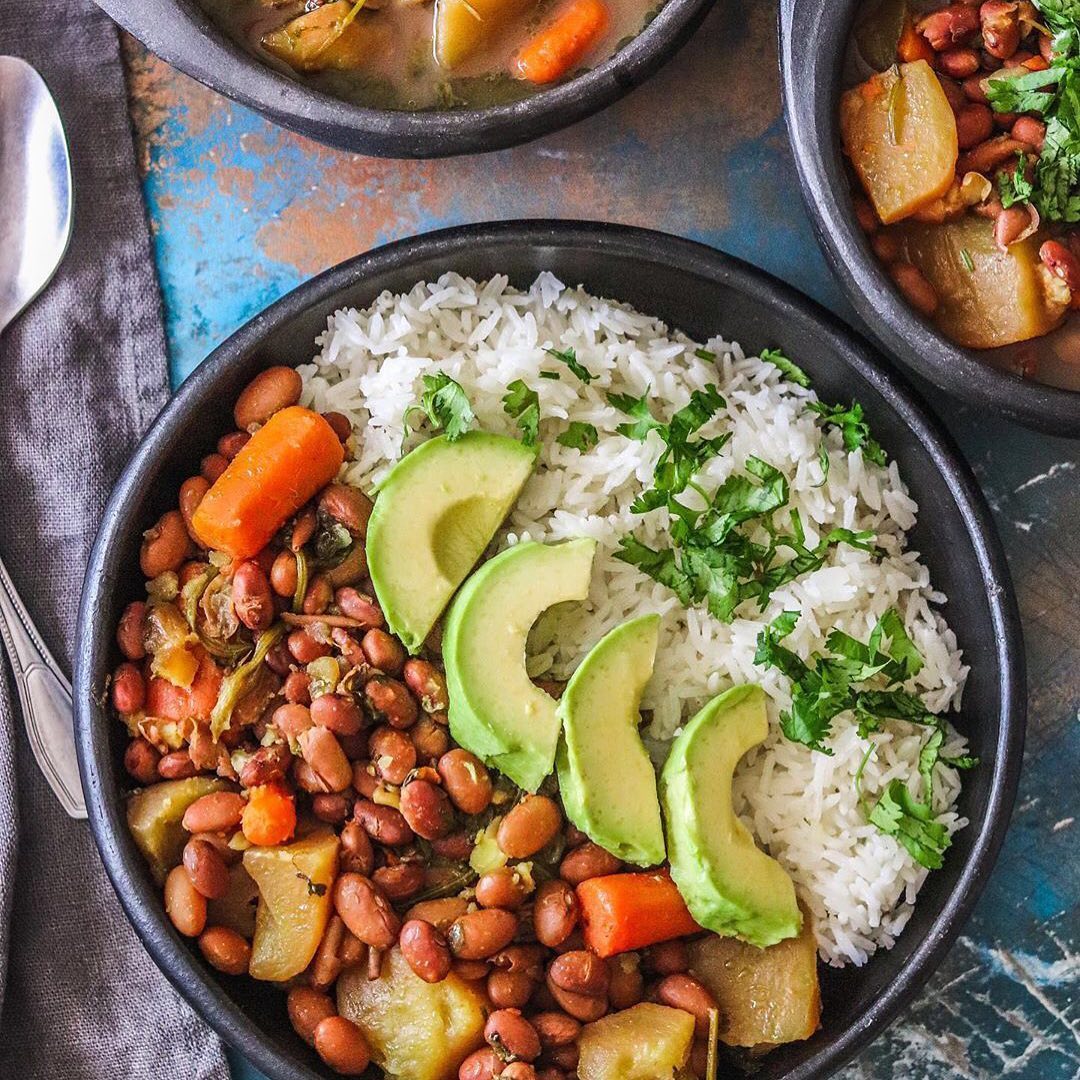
{"points": [[242, 212]]}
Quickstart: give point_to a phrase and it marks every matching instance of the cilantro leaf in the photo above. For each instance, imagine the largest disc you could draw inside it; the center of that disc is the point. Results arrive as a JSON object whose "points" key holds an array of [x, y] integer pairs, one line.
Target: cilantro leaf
{"points": [[853, 428], [705, 354], [549, 375], [899, 814], [661, 566], [788, 368], [446, 405], [569, 358], [824, 462], [522, 403], [579, 436], [638, 411]]}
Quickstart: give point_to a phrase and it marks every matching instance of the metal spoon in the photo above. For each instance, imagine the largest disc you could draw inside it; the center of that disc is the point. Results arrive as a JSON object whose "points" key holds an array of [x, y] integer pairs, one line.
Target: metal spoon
{"points": [[35, 227]]}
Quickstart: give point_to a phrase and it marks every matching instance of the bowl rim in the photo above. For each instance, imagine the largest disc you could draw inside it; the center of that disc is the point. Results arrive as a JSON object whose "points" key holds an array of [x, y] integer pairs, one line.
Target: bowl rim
{"points": [[180, 33], [194, 980], [809, 79]]}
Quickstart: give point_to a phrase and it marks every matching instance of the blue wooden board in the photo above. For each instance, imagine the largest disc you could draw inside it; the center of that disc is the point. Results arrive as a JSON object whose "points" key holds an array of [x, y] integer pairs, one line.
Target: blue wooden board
{"points": [[243, 211]]}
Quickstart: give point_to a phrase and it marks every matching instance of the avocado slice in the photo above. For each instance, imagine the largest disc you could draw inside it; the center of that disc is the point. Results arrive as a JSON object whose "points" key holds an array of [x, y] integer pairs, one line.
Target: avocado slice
{"points": [[607, 782], [729, 884], [495, 709], [436, 512]]}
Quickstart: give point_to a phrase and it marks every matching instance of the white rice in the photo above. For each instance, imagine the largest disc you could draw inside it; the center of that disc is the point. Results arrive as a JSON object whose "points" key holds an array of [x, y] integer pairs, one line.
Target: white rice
{"points": [[801, 805]]}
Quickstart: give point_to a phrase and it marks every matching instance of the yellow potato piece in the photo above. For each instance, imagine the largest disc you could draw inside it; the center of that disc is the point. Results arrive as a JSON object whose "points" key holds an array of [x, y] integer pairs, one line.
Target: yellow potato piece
{"points": [[295, 882], [464, 26], [900, 133], [154, 815], [987, 297], [766, 996], [416, 1030], [322, 39], [645, 1042]]}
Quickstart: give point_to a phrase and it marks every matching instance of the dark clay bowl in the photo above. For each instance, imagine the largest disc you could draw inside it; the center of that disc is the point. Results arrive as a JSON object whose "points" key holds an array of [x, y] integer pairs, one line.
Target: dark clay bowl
{"points": [[702, 292], [181, 33], [813, 40]]}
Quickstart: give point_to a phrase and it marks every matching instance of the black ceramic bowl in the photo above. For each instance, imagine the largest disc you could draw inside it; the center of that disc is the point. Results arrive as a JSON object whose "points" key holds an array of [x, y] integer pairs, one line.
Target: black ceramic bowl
{"points": [[813, 40], [181, 33], [703, 292]]}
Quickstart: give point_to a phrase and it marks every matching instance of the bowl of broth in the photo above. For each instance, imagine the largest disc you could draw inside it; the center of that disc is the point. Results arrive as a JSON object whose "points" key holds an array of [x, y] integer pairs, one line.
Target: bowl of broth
{"points": [[416, 78], [868, 83]]}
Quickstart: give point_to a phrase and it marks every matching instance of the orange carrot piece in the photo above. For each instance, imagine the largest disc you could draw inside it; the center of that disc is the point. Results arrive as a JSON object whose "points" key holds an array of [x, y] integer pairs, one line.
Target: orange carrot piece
{"points": [[170, 702], [560, 46], [622, 912], [281, 466], [913, 46], [270, 815]]}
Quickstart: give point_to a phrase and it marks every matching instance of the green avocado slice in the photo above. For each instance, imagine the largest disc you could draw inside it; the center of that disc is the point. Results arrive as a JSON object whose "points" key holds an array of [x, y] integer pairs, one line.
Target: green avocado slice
{"points": [[495, 709], [435, 514], [607, 782], [729, 884]]}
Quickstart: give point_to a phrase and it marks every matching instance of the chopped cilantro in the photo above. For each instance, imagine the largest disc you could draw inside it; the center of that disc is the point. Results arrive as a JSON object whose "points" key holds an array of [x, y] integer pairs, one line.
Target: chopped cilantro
{"points": [[579, 436], [854, 429], [899, 814], [705, 354], [789, 368], [549, 375], [638, 410], [446, 405], [569, 358], [523, 404], [824, 462]]}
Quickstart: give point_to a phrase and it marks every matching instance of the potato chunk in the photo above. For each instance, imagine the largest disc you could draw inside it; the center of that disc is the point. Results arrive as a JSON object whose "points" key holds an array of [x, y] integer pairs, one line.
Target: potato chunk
{"points": [[463, 26], [987, 297], [900, 133], [236, 909], [646, 1042], [325, 38], [416, 1030], [766, 996], [295, 883], [154, 815]]}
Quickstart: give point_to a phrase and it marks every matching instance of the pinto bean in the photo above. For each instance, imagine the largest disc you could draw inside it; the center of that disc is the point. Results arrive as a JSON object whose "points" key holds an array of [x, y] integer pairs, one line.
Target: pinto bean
{"points": [[509, 989], [886, 246], [509, 1031], [686, 993], [225, 950], [425, 950], [128, 689], [141, 761], [529, 826], [518, 1070], [323, 753], [428, 683], [220, 811], [303, 528], [400, 882], [297, 689], [279, 660], [392, 753], [384, 824], [627, 983], [326, 965], [440, 913], [431, 741], [165, 546], [251, 596], [668, 958], [502, 888], [988, 156], [340, 423], [284, 574], [341, 1044], [484, 1064], [383, 651], [131, 631], [426, 807], [555, 1029], [269, 392], [347, 505], [959, 63], [206, 868], [1062, 263], [555, 912], [389, 700], [974, 125], [365, 911], [583, 1007], [588, 861], [467, 781], [1031, 131], [480, 934], [1001, 27], [331, 807], [192, 492], [457, 846], [581, 972], [337, 712], [176, 765], [359, 606], [352, 569], [267, 764], [184, 904], [918, 292], [212, 466], [357, 854], [307, 1008], [305, 648], [318, 596], [1010, 225], [949, 27]]}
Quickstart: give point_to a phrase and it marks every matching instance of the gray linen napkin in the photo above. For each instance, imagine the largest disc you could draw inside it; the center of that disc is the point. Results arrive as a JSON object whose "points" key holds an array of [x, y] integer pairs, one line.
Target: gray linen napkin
{"points": [[82, 374]]}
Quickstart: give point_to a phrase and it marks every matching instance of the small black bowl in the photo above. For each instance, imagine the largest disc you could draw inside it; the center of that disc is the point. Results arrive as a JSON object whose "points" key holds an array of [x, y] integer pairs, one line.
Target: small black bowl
{"points": [[813, 40], [181, 33], [702, 292]]}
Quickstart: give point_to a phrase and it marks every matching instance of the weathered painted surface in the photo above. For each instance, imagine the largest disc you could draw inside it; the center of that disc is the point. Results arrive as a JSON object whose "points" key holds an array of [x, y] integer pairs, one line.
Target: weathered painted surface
{"points": [[243, 211]]}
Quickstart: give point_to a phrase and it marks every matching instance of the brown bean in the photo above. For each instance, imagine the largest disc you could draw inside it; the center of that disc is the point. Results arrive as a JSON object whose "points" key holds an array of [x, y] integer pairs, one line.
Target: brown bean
{"points": [[365, 911], [326, 965], [1001, 27], [686, 993], [987, 156], [307, 1008], [176, 765], [974, 124], [383, 651], [948, 27], [392, 753], [886, 246], [357, 854], [502, 888], [1010, 225], [267, 764], [667, 958], [518, 1070], [440, 913], [128, 689], [318, 596], [959, 63], [573, 943], [389, 700], [340, 423], [918, 292], [331, 807], [283, 574], [131, 631], [302, 528], [509, 1031], [401, 882], [206, 869], [866, 215], [359, 606], [566, 1057], [583, 1007], [431, 741], [220, 811], [279, 659], [555, 912], [364, 779], [269, 392], [232, 442], [384, 824], [1031, 131], [467, 781], [225, 950], [509, 989], [297, 688], [165, 546], [192, 492], [627, 986], [527, 959], [212, 466], [425, 950], [581, 972], [1061, 262], [428, 683], [529, 826], [426, 807], [337, 712], [480, 934], [341, 1044], [588, 861], [484, 1064], [307, 779], [141, 761], [456, 847], [347, 505], [323, 753], [184, 904], [305, 648], [352, 568], [555, 1029]]}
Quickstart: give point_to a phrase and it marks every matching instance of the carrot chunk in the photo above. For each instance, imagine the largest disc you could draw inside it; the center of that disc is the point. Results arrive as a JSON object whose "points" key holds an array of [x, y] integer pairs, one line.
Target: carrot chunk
{"points": [[171, 702], [560, 46], [622, 912], [270, 815], [913, 46], [281, 466]]}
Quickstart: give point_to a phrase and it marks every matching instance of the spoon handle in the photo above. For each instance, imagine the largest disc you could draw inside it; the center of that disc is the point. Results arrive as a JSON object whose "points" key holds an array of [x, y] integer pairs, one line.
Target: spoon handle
{"points": [[45, 694]]}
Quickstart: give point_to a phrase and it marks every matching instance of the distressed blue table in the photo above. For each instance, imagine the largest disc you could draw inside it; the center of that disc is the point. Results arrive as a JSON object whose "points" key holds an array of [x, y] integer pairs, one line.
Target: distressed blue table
{"points": [[243, 211]]}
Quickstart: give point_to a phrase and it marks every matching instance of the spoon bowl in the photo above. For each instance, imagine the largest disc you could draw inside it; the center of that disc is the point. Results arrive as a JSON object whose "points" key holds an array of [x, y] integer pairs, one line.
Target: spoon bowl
{"points": [[35, 187]]}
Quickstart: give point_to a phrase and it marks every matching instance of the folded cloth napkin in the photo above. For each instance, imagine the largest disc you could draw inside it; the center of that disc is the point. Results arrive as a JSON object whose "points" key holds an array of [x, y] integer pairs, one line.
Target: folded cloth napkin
{"points": [[82, 374]]}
